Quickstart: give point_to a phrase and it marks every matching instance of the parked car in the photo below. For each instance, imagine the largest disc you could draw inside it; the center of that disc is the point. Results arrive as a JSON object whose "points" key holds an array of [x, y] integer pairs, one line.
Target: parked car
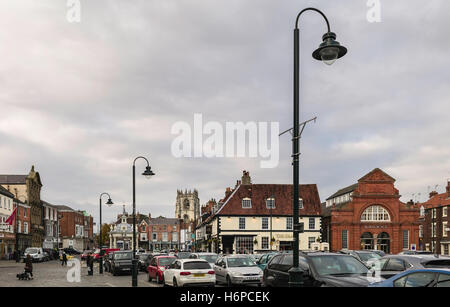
{"points": [[150, 257], [142, 262], [209, 257], [157, 266], [36, 254], [418, 278], [189, 272], [237, 270], [51, 254], [320, 269], [409, 252], [121, 262], [367, 257], [377, 251], [183, 255], [72, 251], [391, 265], [103, 252], [140, 251], [264, 259]]}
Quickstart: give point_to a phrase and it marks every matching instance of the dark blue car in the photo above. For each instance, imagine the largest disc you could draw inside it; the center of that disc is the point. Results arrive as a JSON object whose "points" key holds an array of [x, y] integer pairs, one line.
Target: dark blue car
{"points": [[417, 278]]}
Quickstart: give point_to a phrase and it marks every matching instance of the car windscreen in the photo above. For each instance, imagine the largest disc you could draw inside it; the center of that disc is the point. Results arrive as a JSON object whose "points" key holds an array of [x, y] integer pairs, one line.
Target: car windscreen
{"points": [[209, 258], [240, 262], [122, 256], [182, 255], [368, 256], [31, 251], [437, 263], [196, 265], [165, 261], [338, 265]]}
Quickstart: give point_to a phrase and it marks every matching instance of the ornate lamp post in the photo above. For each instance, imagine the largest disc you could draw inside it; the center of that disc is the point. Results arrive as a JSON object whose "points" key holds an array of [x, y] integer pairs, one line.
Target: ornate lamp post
{"points": [[148, 173], [100, 241], [328, 51]]}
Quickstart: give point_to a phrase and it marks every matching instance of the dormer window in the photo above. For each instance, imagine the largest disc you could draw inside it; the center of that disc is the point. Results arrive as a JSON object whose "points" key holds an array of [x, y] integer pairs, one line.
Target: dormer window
{"points": [[270, 203], [300, 203], [246, 203]]}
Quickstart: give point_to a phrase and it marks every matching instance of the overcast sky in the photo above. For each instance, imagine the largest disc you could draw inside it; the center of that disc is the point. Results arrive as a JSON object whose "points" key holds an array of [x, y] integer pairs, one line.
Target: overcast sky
{"points": [[81, 100]]}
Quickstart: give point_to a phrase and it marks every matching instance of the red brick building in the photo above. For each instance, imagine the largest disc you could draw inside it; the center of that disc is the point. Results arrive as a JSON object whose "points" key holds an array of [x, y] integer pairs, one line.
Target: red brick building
{"points": [[76, 228], [435, 222], [23, 222], [370, 215]]}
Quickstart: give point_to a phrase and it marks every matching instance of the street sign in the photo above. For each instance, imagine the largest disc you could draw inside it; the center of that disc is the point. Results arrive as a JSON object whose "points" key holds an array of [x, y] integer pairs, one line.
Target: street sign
{"points": [[413, 247]]}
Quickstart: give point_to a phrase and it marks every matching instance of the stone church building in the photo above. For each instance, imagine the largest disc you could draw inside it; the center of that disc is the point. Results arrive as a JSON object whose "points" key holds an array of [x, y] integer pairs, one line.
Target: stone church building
{"points": [[187, 206]]}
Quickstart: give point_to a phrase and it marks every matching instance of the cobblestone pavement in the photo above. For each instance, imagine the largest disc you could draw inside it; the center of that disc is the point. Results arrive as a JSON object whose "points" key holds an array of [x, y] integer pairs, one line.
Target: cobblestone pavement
{"points": [[52, 274]]}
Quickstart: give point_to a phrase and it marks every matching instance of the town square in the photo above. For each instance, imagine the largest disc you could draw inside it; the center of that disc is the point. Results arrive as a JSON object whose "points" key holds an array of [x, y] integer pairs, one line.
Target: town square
{"points": [[224, 145]]}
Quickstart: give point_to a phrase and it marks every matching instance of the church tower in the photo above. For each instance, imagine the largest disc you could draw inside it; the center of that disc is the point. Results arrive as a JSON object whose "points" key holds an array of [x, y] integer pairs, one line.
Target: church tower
{"points": [[187, 205]]}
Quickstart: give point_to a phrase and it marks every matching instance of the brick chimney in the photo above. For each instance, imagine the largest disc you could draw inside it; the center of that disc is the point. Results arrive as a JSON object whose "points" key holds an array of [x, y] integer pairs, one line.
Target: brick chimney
{"points": [[448, 188], [227, 192], [246, 178], [433, 193]]}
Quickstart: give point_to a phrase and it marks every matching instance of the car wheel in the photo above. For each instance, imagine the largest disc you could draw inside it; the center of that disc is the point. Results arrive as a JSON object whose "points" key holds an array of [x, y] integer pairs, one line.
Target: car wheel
{"points": [[175, 284], [114, 272], [149, 279], [157, 279], [229, 283]]}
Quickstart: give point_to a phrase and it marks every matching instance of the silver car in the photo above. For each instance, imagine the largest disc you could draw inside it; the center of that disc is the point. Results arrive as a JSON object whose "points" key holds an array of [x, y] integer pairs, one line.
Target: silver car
{"points": [[237, 270]]}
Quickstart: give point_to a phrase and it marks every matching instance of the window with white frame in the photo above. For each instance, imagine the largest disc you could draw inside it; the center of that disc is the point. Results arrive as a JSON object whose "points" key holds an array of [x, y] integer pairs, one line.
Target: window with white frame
{"points": [[405, 239], [311, 240], [19, 224], [420, 231], [242, 223], [444, 211], [375, 214], [154, 236], [265, 242], [289, 223], [312, 223], [175, 236], [25, 227], [265, 223], [246, 203], [444, 229], [270, 203], [422, 211], [344, 239], [433, 230], [165, 236], [300, 203]]}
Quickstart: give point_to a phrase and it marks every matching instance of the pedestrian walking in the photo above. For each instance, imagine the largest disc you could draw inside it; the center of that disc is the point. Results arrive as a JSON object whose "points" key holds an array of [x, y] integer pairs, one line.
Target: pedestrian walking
{"points": [[64, 259], [29, 266], [90, 264]]}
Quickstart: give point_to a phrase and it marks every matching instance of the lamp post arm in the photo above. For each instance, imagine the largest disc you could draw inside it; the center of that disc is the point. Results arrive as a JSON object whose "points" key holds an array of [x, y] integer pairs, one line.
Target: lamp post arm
{"points": [[312, 9], [140, 157]]}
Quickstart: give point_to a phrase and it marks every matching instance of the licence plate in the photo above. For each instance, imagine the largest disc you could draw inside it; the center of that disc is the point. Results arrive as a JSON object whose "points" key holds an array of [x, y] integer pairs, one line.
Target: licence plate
{"points": [[198, 275], [252, 278]]}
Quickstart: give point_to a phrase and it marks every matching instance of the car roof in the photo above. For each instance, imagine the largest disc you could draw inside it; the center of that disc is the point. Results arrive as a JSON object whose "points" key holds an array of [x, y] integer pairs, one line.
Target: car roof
{"points": [[203, 253], [192, 260]]}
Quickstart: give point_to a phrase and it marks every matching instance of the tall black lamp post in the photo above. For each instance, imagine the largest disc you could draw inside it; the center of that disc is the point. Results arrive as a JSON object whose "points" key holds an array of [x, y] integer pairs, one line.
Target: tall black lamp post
{"points": [[148, 173], [100, 241], [328, 51]]}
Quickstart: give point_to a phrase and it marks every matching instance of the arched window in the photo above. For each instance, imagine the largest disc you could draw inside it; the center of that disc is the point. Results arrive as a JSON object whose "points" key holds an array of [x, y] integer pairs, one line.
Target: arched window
{"points": [[375, 214], [186, 203]]}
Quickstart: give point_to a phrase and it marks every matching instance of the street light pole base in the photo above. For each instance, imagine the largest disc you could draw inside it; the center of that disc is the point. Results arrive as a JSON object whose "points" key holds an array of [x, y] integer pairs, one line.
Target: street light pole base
{"points": [[134, 282], [296, 277]]}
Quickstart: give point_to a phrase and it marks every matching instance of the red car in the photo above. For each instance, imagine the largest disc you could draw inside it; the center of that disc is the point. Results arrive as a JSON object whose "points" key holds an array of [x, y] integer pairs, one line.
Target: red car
{"points": [[104, 252], [158, 266]]}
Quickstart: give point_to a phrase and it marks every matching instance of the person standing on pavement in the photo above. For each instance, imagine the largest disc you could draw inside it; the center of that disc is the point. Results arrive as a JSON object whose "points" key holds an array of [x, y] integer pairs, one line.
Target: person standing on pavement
{"points": [[64, 259], [29, 266], [90, 264]]}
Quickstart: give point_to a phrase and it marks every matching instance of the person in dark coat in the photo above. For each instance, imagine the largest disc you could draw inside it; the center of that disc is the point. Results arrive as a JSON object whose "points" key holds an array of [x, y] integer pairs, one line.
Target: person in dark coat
{"points": [[29, 265], [64, 259], [90, 264]]}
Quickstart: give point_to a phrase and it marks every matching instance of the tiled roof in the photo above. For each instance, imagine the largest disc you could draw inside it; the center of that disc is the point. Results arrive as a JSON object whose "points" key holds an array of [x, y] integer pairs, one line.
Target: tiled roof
{"points": [[164, 221], [12, 179], [5, 192], [64, 208], [438, 200], [48, 204], [343, 191], [258, 193]]}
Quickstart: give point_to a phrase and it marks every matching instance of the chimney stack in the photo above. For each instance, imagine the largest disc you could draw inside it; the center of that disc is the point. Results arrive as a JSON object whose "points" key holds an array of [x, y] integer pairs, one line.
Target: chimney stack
{"points": [[448, 188], [433, 193], [246, 179]]}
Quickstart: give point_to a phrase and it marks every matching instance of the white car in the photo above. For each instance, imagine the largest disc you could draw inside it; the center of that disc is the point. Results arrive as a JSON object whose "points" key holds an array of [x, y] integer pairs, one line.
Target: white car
{"points": [[36, 254], [189, 272]]}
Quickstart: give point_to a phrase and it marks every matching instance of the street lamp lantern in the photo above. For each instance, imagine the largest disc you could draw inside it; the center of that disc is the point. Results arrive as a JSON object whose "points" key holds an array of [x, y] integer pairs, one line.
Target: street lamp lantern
{"points": [[330, 50], [148, 173], [109, 202]]}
